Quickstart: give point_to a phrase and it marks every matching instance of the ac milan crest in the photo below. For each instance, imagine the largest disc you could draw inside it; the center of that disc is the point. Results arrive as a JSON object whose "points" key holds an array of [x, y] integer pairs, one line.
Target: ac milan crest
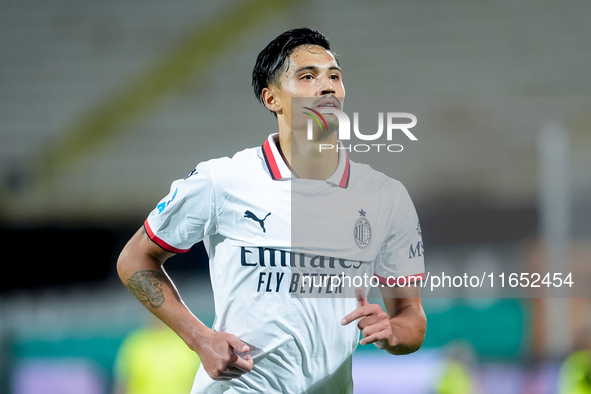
{"points": [[362, 231]]}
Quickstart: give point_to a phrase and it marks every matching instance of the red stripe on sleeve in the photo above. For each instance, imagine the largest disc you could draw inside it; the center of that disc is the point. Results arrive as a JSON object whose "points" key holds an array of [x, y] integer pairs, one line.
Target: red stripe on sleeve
{"points": [[160, 242]]}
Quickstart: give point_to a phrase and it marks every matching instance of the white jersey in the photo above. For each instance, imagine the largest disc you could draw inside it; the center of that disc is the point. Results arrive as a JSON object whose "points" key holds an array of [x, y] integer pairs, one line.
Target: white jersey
{"points": [[264, 232]]}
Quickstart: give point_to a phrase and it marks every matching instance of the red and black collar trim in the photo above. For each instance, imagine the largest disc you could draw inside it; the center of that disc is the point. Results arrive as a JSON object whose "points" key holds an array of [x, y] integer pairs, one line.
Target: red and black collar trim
{"points": [[346, 174], [272, 156], [279, 170]]}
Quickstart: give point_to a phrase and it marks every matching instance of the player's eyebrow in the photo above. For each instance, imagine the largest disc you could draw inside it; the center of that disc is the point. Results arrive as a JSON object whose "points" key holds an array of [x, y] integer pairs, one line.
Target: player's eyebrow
{"points": [[316, 68]]}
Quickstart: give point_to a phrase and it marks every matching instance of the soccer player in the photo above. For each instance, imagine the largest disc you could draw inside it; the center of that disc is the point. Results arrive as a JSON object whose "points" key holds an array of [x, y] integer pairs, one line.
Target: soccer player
{"points": [[266, 336]]}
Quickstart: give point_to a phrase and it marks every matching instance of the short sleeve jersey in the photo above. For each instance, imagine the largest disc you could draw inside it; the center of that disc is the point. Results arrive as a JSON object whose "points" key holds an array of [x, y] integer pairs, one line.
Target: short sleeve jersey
{"points": [[265, 231]]}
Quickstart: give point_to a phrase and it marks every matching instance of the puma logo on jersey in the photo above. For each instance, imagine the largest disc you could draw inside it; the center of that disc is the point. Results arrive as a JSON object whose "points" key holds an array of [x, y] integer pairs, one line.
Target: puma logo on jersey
{"points": [[250, 215]]}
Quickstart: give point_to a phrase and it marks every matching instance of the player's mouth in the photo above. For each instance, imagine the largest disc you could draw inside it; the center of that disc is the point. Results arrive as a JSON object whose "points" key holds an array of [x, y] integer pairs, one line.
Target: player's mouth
{"points": [[329, 103]]}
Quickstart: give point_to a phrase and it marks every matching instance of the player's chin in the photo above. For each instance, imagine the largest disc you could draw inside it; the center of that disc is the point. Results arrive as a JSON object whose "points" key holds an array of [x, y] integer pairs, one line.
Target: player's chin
{"points": [[332, 122]]}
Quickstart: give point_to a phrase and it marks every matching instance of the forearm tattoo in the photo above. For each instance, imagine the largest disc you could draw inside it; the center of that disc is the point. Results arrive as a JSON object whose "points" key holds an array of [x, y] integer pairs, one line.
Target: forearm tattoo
{"points": [[146, 286], [144, 232]]}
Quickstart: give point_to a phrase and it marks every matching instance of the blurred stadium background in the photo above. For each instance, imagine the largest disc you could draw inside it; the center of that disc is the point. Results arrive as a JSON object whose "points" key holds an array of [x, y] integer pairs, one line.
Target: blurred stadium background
{"points": [[103, 104]]}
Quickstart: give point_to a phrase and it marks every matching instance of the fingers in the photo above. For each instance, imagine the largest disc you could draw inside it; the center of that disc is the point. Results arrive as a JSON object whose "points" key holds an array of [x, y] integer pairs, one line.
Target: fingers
{"points": [[380, 344], [378, 339], [356, 314], [363, 312], [237, 344], [373, 322], [377, 332], [244, 364], [361, 297], [234, 368], [224, 359]]}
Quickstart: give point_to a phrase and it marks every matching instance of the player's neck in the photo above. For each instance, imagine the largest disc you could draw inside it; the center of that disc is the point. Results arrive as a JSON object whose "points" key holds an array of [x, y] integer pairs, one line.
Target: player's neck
{"points": [[309, 159]]}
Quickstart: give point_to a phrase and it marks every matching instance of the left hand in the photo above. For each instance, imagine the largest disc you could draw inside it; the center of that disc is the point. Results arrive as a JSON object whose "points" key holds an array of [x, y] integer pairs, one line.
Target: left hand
{"points": [[373, 322]]}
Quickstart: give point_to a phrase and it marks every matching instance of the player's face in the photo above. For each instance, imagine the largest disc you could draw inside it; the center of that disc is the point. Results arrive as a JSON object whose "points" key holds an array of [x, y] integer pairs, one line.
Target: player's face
{"points": [[311, 71]]}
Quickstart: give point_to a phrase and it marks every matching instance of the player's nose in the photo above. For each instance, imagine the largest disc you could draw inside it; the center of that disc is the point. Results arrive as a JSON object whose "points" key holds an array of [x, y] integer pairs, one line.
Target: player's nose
{"points": [[326, 87]]}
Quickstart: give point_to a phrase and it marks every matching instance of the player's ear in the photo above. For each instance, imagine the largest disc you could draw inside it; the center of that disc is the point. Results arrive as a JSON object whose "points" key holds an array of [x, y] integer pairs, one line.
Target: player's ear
{"points": [[270, 99]]}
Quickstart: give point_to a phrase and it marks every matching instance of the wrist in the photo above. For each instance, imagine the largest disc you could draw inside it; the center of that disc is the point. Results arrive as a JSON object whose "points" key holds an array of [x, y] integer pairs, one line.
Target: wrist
{"points": [[190, 329], [198, 336]]}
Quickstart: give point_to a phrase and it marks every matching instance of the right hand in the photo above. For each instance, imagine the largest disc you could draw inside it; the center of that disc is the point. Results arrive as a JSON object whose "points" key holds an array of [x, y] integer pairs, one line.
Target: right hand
{"points": [[218, 356]]}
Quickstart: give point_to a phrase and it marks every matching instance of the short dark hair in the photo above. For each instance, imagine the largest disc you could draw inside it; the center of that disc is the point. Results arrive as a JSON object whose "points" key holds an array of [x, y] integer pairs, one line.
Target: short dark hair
{"points": [[271, 59]]}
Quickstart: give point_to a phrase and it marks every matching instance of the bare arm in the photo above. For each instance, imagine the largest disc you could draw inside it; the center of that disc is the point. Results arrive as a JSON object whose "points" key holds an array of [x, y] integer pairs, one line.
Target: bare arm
{"points": [[400, 330], [140, 268]]}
